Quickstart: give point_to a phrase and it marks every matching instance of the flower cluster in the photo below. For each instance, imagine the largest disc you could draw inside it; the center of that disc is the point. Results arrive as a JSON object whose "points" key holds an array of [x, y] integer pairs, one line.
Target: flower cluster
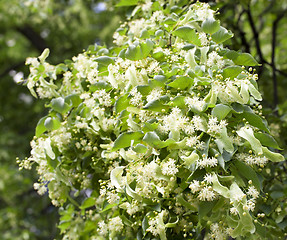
{"points": [[160, 136]]}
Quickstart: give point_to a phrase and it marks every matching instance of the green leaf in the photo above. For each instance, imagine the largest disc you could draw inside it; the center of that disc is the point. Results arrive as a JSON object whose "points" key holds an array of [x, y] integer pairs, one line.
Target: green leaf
{"points": [[210, 25], [159, 33], [227, 156], [219, 188], [40, 127], [124, 139], [188, 34], [181, 83], [132, 193], [191, 159], [124, 3], [255, 120], [226, 178], [245, 223], [253, 89], [61, 68], [274, 157], [190, 59], [121, 104], [267, 140], [73, 100], [144, 89], [144, 34], [108, 207], [169, 21], [140, 148], [224, 142], [244, 59], [145, 224], [220, 111], [140, 51], [156, 106], [221, 35], [104, 60], [231, 72], [247, 134], [183, 202], [52, 123], [152, 139], [160, 79], [116, 177], [221, 161], [178, 102], [64, 225], [204, 208], [100, 85], [232, 91], [248, 173], [44, 55], [150, 126], [48, 149], [88, 202], [277, 194], [59, 105], [172, 224], [237, 107], [133, 110]]}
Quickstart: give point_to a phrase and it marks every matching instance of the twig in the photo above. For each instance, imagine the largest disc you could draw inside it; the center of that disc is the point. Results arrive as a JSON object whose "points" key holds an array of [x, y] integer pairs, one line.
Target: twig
{"points": [[14, 67], [276, 69], [256, 37], [242, 33], [37, 41], [273, 64]]}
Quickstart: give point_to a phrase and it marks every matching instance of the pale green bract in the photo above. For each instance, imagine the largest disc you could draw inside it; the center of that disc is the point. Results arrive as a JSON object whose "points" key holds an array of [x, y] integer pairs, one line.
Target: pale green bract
{"points": [[146, 140]]}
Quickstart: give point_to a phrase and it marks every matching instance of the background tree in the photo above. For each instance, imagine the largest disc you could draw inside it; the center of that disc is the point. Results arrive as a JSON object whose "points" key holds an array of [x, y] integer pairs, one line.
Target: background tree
{"points": [[27, 28], [259, 28], [67, 27]]}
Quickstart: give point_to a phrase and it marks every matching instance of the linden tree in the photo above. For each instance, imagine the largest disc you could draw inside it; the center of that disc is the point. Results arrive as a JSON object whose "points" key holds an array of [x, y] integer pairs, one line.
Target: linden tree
{"points": [[159, 137]]}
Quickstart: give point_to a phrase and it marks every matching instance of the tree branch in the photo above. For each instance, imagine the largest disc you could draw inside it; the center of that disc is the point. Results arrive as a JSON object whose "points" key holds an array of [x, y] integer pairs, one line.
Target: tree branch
{"points": [[256, 37], [277, 70], [242, 33], [273, 64], [13, 67], [37, 41]]}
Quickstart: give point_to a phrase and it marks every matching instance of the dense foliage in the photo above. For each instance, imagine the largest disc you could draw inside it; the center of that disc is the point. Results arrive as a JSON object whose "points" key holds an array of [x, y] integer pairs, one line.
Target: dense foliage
{"points": [[160, 136], [27, 28]]}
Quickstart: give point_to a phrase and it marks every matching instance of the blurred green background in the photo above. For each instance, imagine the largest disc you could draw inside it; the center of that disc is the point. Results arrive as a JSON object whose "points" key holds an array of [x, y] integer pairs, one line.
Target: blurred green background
{"points": [[67, 27]]}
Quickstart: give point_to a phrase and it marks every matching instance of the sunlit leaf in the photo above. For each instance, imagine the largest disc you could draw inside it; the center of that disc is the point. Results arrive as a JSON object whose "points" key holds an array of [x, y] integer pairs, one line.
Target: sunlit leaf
{"points": [[274, 157], [153, 140], [124, 3], [220, 111], [40, 127], [116, 177], [59, 105], [247, 134], [221, 35], [88, 202], [231, 71], [210, 25], [181, 83], [244, 59], [124, 139], [188, 34]]}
